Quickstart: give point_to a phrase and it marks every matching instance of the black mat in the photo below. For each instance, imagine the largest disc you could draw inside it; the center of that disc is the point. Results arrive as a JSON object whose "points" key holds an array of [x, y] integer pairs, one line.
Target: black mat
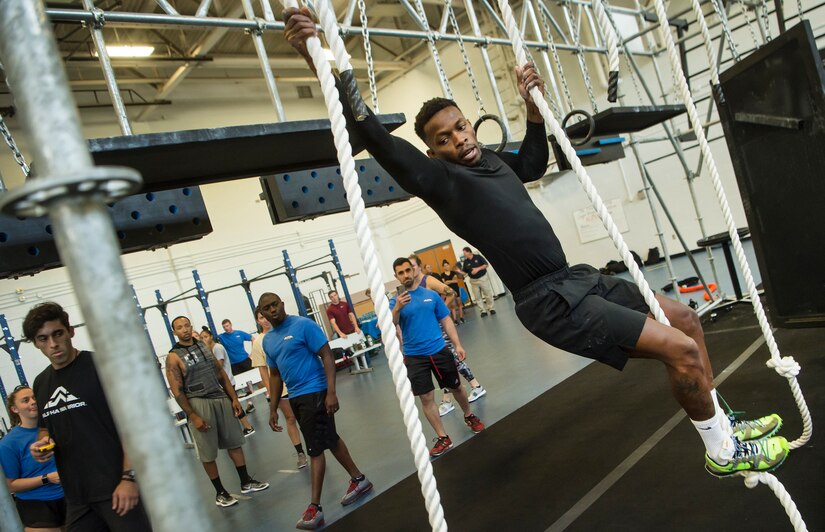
{"points": [[527, 470]]}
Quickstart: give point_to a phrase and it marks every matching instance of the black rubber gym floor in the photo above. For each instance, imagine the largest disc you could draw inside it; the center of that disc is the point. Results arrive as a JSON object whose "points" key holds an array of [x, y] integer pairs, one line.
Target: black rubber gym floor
{"points": [[605, 450]]}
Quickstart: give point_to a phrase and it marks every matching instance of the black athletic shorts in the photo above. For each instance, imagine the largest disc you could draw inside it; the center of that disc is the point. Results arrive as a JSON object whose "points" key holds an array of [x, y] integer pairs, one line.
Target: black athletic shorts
{"points": [[317, 426], [584, 312], [42, 514], [243, 365], [441, 364], [99, 516]]}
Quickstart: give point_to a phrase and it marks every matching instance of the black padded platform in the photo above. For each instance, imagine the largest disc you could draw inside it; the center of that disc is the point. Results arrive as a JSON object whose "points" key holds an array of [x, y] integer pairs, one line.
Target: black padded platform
{"points": [[200, 156], [625, 120]]}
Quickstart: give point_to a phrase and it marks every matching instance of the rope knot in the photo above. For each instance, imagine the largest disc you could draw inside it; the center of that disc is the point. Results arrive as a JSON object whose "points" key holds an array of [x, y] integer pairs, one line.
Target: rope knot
{"points": [[751, 480], [787, 367]]}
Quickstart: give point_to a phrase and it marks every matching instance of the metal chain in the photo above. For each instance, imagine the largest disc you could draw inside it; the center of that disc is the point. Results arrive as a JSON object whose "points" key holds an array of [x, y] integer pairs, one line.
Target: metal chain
{"points": [[18, 157], [766, 21], [365, 32], [419, 6], [800, 10], [556, 59], [723, 19], [582, 60], [744, 9], [467, 66]]}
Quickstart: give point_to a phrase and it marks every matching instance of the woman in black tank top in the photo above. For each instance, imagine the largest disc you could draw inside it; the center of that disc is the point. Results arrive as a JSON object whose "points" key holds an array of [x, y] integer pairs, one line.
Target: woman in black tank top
{"points": [[450, 277]]}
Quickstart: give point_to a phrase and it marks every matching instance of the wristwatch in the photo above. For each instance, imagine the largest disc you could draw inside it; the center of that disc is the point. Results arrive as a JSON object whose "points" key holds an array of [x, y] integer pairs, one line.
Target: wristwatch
{"points": [[45, 480], [129, 475]]}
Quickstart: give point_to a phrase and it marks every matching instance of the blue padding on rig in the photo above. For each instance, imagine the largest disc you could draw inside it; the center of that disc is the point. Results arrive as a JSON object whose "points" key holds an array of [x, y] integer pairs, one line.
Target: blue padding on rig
{"points": [[613, 140], [589, 151]]}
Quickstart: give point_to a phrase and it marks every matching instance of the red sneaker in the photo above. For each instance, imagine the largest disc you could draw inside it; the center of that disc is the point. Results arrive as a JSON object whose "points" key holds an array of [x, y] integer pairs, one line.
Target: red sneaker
{"points": [[474, 423], [312, 519], [442, 445]]}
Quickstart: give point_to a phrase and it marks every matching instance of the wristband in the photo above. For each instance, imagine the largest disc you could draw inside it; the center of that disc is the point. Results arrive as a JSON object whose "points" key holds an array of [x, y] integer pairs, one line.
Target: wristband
{"points": [[45, 480], [129, 475]]}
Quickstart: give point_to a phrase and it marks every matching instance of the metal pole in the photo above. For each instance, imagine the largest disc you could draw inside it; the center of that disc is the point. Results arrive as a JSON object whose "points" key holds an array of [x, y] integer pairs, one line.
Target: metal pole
{"points": [[85, 238], [246, 288], [96, 29], [293, 283], [141, 313], [204, 299], [8, 510], [157, 19], [162, 308], [258, 40], [337, 264], [11, 347], [488, 66]]}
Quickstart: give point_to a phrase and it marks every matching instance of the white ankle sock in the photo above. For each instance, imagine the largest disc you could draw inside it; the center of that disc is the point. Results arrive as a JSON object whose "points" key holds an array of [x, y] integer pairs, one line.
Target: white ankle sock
{"points": [[717, 440], [719, 412]]}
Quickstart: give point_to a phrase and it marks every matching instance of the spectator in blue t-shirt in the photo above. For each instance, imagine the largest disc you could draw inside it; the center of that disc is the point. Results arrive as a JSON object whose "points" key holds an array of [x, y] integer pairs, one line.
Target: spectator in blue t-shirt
{"points": [[36, 486], [233, 342], [418, 311], [299, 356]]}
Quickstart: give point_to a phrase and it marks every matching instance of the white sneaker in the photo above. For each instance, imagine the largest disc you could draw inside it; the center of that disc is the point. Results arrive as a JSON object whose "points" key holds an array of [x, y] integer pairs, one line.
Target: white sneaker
{"points": [[477, 394], [445, 408]]}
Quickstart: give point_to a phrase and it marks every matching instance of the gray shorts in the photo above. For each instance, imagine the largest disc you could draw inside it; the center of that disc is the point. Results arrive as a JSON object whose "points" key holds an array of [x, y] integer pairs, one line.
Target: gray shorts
{"points": [[584, 312], [224, 428]]}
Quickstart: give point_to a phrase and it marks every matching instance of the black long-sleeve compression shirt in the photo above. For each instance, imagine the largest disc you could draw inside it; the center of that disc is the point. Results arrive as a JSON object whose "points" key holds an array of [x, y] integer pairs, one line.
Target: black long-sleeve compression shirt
{"points": [[486, 204]]}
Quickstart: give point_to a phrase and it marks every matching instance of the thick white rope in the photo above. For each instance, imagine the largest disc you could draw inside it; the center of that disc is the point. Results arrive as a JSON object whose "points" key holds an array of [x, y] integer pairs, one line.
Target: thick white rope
{"points": [[753, 479], [710, 48], [612, 49], [786, 367], [418, 443], [581, 173]]}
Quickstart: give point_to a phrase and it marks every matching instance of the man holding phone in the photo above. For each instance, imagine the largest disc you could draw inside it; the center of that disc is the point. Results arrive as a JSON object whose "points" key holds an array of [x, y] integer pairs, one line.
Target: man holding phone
{"points": [[73, 416], [420, 313]]}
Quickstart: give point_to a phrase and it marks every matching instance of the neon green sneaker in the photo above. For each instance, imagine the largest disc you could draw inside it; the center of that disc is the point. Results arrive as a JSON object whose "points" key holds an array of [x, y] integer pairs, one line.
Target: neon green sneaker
{"points": [[759, 455], [755, 429]]}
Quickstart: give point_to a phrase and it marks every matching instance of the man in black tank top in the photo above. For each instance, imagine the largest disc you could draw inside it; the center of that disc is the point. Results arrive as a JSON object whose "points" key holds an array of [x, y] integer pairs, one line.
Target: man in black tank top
{"points": [[203, 390], [573, 308]]}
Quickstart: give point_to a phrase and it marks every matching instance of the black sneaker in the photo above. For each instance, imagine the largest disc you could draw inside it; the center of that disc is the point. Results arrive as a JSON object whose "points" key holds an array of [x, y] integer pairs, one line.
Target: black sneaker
{"points": [[250, 408], [492, 313], [483, 314], [253, 485], [224, 499], [248, 432]]}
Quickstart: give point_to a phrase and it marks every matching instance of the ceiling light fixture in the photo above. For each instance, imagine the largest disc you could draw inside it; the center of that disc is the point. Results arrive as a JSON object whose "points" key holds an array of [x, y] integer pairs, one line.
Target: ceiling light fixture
{"points": [[118, 50]]}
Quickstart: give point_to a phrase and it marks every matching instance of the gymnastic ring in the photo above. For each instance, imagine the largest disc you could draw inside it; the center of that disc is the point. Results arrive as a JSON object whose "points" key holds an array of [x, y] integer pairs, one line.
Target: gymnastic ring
{"points": [[500, 123], [590, 131], [696, 288]]}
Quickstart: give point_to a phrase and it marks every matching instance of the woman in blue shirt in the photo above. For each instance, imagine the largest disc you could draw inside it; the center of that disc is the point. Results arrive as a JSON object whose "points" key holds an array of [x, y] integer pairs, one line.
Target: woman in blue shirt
{"points": [[36, 486]]}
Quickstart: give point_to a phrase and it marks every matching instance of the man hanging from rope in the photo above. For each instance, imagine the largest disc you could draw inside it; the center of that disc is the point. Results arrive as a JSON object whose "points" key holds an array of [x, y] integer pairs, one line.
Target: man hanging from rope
{"points": [[570, 307]]}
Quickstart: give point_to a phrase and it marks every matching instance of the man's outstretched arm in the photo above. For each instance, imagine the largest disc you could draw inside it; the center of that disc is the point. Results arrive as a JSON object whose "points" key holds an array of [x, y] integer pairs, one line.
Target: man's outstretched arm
{"points": [[414, 171]]}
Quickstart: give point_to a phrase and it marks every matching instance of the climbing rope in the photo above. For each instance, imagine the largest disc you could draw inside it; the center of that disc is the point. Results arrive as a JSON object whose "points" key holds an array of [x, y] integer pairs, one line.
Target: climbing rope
{"points": [[785, 366], [369, 255], [612, 49], [365, 33]]}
